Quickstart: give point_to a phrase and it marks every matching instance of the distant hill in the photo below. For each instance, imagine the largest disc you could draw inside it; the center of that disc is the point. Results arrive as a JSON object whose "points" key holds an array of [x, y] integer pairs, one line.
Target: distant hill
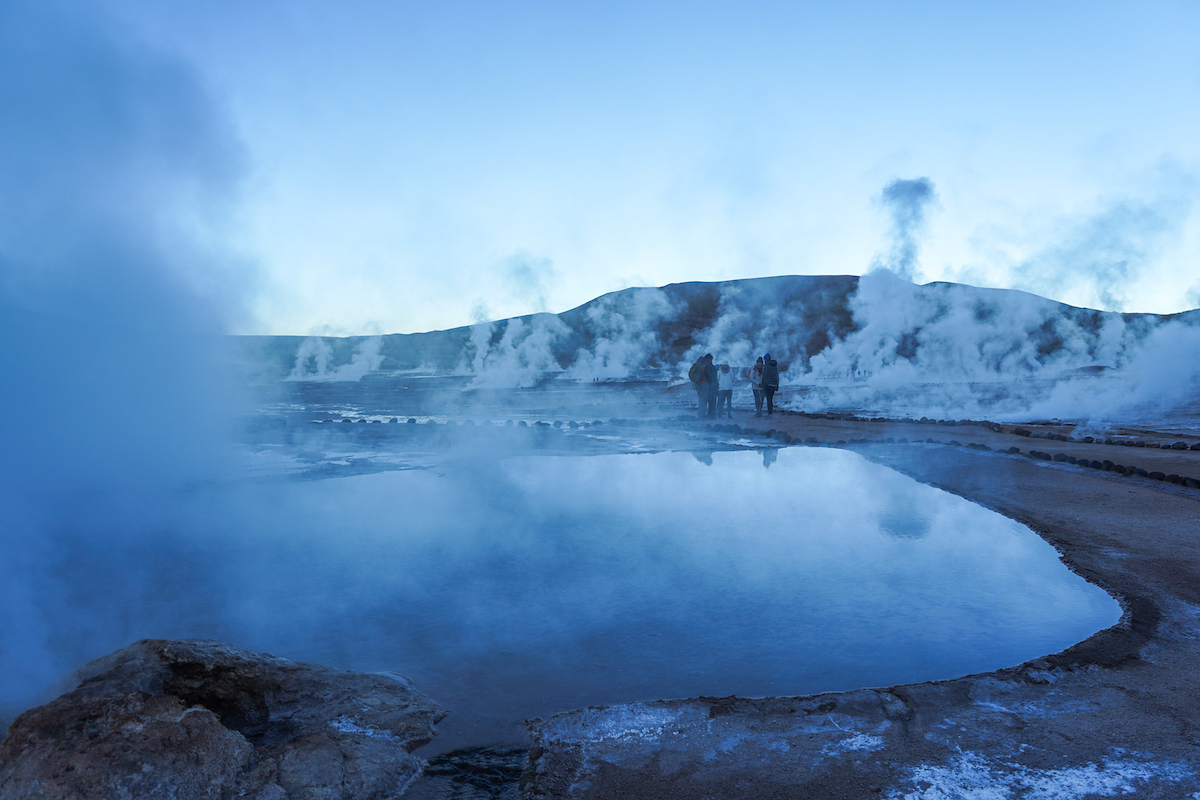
{"points": [[818, 327]]}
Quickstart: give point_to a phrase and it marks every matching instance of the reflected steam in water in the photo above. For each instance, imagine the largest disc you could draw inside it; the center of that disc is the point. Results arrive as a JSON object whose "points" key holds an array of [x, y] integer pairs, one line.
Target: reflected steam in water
{"points": [[516, 588], [509, 588]]}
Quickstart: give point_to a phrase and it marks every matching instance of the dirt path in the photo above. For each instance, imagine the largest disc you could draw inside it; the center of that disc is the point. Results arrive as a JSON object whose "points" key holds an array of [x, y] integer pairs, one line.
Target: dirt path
{"points": [[1116, 714]]}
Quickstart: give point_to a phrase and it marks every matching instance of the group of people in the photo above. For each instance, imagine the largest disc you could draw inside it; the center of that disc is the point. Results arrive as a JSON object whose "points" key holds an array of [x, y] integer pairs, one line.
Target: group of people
{"points": [[714, 386]]}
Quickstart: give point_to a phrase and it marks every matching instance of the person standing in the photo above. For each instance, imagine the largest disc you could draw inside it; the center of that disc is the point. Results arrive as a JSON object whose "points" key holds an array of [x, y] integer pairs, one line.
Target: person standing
{"points": [[770, 382], [696, 376], [755, 376], [725, 391], [710, 375], [703, 377]]}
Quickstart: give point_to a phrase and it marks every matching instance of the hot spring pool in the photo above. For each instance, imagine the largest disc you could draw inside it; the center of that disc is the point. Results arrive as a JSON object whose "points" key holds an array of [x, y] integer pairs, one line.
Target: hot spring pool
{"points": [[520, 587]]}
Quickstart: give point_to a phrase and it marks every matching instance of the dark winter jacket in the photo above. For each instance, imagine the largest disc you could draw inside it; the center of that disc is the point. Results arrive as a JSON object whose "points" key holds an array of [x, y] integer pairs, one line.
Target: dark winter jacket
{"points": [[770, 378]]}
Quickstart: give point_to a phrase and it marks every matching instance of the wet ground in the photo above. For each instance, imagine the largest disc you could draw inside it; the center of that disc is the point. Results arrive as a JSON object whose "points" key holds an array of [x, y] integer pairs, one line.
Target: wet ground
{"points": [[1114, 715]]}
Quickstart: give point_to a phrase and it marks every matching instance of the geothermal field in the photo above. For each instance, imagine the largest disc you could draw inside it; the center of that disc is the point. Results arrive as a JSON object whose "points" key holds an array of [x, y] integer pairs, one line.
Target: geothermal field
{"points": [[526, 518]]}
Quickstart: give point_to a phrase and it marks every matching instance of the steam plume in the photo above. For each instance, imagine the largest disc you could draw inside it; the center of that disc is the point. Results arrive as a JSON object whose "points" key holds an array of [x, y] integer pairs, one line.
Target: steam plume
{"points": [[906, 201]]}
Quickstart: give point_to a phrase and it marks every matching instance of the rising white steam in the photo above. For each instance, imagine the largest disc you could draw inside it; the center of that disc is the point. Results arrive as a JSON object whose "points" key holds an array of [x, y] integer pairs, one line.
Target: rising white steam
{"points": [[625, 331], [515, 353], [315, 358]]}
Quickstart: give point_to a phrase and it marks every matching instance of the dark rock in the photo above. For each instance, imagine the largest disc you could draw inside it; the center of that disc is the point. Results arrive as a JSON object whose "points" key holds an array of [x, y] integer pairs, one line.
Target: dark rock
{"points": [[1140, 472], [811, 440], [1107, 465], [199, 719], [1012, 451], [1021, 432], [412, 421], [1088, 439], [1095, 465], [1157, 476], [1180, 446], [477, 773], [1173, 478], [903, 440], [1191, 483], [1196, 446]]}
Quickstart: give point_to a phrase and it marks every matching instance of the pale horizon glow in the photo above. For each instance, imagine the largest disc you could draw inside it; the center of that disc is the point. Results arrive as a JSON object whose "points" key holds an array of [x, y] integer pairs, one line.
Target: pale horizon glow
{"points": [[406, 167]]}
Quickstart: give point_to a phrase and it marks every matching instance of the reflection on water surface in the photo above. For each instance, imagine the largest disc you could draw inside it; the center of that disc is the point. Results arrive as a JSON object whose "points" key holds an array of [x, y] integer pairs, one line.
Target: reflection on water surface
{"points": [[515, 588]]}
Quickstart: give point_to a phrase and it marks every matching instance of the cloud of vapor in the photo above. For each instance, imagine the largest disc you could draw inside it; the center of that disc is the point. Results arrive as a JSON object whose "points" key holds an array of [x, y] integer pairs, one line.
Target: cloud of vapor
{"points": [[315, 361], [626, 334], [907, 202], [514, 353], [114, 170], [1103, 253]]}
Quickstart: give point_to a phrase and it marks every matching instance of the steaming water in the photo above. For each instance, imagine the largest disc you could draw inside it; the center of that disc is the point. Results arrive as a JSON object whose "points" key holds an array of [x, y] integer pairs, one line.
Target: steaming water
{"points": [[519, 587], [508, 588]]}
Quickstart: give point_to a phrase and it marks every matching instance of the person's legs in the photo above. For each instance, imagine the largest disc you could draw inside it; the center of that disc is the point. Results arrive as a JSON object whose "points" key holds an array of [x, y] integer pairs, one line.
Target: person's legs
{"points": [[770, 397], [758, 398], [712, 401]]}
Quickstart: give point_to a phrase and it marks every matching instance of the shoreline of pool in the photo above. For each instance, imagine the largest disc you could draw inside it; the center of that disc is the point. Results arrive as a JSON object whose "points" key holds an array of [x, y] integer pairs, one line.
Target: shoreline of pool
{"points": [[1114, 713]]}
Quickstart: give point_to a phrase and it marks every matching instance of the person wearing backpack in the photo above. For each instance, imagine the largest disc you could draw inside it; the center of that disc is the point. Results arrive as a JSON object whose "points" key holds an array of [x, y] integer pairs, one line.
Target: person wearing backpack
{"points": [[770, 382]]}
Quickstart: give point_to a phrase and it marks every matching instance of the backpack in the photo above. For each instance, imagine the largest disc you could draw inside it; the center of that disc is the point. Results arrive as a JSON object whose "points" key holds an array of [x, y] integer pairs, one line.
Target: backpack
{"points": [[771, 375], [696, 373]]}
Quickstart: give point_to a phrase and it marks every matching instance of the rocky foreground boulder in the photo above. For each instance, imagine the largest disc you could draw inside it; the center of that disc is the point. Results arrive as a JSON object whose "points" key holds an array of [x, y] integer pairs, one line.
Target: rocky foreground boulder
{"points": [[205, 721]]}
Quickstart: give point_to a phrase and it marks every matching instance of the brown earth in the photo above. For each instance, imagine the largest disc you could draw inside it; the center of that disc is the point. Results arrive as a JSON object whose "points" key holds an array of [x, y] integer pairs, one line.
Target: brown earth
{"points": [[1117, 714]]}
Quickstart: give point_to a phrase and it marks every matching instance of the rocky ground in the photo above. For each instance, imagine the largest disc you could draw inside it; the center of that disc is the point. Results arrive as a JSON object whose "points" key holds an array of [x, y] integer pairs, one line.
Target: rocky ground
{"points": [[200, 720]]}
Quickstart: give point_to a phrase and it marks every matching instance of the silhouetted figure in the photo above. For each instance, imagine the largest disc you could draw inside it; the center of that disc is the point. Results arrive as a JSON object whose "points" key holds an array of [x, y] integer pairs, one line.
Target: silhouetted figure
{"points": [[755, 376], [703, 376], [769, 455], [710, 377], [770, 382], [725, 392]]}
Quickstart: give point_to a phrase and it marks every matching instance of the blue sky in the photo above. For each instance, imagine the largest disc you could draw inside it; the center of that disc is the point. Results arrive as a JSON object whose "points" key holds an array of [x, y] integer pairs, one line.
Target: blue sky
{"points": [[378, 167]]}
